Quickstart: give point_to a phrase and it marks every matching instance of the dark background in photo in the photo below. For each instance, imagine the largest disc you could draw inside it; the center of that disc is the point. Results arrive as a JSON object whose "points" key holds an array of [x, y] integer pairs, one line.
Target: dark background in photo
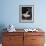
{"points": [[24, 10]]}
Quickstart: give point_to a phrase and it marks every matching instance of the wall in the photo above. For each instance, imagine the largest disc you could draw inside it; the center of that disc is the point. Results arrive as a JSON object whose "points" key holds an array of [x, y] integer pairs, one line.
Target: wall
{"points": [[9, 13]]}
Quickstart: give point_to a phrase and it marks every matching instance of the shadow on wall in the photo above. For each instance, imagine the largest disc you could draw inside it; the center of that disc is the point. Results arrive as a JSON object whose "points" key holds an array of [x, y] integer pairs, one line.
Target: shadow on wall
{"points": [[2, 26]]}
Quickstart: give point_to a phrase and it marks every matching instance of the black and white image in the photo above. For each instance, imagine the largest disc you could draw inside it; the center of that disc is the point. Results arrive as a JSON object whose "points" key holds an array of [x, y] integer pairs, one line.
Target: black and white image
{"points": [[26, 13]]}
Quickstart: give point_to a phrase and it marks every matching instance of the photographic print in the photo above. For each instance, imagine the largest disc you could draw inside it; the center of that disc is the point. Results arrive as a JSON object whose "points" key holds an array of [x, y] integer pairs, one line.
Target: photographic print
{"points": [[26, 13]]}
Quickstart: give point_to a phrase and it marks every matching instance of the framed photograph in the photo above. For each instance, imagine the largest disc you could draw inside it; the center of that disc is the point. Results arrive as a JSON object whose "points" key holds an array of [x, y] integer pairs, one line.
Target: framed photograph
{"points": [[26, 13]]}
